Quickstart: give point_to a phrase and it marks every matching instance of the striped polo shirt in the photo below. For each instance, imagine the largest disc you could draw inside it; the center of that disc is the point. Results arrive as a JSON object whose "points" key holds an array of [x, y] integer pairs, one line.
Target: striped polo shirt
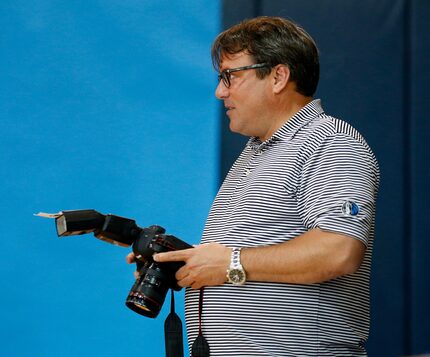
{"points": [[316, 171]]}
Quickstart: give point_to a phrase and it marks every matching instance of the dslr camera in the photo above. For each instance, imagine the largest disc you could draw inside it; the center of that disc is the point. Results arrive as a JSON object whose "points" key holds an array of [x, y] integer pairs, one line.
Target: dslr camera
{"points": [[147, 295]]}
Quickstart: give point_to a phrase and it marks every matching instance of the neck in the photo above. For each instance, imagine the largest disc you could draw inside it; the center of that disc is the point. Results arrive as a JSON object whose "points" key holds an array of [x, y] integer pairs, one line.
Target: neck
{"points": [[283, 111]]}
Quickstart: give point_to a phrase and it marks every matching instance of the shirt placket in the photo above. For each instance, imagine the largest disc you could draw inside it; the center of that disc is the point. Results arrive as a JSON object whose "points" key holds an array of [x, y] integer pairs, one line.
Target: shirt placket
{"points": [[253, 162]]}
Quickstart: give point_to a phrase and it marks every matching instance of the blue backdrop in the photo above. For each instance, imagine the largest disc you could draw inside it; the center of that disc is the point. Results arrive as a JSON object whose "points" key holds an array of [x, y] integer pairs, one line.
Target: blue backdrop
{"points": [[106, 105]]}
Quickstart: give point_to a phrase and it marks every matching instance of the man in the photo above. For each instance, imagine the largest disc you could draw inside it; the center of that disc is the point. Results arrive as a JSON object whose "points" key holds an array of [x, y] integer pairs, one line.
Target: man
{"points": [[286, 250]]}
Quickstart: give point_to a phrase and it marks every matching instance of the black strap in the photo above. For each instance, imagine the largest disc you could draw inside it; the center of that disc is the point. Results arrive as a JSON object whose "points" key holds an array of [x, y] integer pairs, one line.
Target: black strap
{"points": [[173, 332], [200, 346]]}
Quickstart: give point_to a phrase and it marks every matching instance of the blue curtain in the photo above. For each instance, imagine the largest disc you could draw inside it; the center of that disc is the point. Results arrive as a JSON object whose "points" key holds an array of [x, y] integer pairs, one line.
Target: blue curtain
{"points": [[106, 105]]}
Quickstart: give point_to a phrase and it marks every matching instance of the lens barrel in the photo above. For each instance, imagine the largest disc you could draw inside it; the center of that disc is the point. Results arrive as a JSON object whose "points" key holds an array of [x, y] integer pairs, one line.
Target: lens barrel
{"points": [[147, 294]]}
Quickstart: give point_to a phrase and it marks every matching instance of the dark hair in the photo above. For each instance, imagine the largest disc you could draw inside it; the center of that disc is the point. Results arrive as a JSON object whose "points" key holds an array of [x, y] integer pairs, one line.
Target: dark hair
{"points": [[273, 40]]}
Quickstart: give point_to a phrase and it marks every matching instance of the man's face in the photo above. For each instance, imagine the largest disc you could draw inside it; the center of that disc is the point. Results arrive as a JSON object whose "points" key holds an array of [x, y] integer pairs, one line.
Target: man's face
{"points": [[248, 99]]}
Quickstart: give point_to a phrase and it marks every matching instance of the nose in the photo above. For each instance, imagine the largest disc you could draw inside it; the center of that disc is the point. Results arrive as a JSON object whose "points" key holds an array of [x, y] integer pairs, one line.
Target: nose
{"points": [[221, 91]]}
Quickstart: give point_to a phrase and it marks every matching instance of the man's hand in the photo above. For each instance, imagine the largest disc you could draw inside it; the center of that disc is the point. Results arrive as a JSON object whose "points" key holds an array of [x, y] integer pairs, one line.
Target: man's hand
{"points": [[205, 265], [130, 258]]}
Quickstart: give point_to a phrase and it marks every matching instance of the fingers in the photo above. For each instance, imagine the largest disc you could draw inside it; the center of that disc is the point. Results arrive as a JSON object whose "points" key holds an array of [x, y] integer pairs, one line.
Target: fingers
{"points": [[130, 258], [181, 273], [186, 278], [176, 256], [187, 281], [205, 264]]}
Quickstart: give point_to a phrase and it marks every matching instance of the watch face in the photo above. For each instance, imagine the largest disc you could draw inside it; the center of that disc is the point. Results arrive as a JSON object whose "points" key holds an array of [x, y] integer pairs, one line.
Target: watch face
{"points": [[237, 276]]}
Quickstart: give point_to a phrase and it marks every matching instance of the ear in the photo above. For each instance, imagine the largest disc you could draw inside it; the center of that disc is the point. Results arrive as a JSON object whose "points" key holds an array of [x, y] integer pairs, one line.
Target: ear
{"points": [[281, 77]]}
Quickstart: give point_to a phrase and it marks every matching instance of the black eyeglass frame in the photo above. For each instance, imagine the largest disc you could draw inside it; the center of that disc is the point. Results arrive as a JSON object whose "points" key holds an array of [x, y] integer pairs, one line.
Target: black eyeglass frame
{"points": [[225, 75]]}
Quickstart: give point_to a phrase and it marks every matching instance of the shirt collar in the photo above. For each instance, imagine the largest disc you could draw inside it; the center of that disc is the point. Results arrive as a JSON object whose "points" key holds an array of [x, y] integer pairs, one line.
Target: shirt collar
{"points": [[290, 127]]}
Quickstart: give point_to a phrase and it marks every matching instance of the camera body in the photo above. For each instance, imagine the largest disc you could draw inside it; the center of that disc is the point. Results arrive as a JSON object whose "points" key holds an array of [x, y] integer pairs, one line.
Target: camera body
{"points": [[147, 294]]}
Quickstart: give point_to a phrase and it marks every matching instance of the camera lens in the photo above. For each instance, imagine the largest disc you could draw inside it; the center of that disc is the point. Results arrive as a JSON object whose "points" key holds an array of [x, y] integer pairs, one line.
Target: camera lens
{"points": [[147, 295]]}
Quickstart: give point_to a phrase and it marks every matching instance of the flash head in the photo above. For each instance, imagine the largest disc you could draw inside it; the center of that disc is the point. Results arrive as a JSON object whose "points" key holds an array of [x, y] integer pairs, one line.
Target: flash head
{"points": [[71, 223], [109, 228]]}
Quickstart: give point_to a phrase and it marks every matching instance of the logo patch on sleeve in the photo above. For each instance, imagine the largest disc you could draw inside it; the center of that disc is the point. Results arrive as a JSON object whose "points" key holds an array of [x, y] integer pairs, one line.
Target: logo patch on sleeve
{"points": [[350, 208]]}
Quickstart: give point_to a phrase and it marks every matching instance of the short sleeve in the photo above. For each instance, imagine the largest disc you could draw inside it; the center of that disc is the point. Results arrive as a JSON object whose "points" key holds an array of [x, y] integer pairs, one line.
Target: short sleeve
{"points": [[338, 187]]}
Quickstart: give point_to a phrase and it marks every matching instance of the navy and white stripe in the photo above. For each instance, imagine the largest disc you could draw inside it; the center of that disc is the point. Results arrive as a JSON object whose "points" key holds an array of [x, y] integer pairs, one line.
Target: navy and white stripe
{"points": [[299, 179]]}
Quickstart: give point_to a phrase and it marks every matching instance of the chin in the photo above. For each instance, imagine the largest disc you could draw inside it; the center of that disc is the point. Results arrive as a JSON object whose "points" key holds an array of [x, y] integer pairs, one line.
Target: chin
{"points": [[234, 128], [238, 130]]}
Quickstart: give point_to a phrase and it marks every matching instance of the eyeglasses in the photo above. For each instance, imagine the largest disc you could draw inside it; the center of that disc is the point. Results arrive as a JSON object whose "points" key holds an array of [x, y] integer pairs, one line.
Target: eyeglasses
{"points": [[225, 75]]}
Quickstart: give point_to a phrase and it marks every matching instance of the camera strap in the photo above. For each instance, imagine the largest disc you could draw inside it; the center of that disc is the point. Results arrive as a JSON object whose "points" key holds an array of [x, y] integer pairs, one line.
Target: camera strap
{"points": [[200, 346], [173, 332]]}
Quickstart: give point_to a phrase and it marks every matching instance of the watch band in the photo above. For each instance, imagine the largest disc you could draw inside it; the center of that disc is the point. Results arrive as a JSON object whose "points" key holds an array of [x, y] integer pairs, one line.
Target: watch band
{"points": [[236, 274], [235, 258]]}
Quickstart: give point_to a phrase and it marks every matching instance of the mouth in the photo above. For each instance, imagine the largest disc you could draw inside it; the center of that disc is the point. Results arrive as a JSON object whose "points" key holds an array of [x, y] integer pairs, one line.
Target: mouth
{"points": [[229, 109]]}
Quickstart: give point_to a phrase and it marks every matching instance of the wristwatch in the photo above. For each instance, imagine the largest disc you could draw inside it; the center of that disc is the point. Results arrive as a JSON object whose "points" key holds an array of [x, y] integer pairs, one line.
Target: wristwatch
{"points": [[235, 273]]}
